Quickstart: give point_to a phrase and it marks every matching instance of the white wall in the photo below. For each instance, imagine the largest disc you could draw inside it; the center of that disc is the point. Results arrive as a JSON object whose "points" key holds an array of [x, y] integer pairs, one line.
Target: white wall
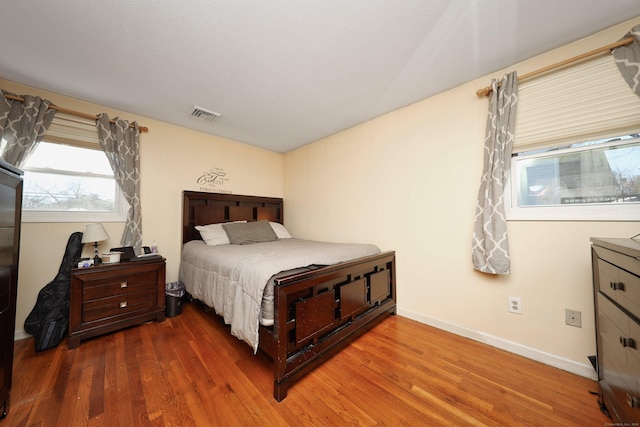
{"points": [[408, 182], [171, 160]]}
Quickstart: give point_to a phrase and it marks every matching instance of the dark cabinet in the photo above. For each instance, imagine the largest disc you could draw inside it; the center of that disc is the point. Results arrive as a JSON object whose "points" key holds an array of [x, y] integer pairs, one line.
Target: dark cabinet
{"points": [[616, 279], [10, 216]]}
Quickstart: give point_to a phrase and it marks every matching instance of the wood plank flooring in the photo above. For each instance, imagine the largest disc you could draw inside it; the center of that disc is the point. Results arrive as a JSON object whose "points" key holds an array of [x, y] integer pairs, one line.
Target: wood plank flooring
{"points": [[189, 371]]}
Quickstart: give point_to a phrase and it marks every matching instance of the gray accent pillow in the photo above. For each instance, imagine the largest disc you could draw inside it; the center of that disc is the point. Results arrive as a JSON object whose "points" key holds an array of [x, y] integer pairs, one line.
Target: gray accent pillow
{"points": [[214, 234], [250, 232]]}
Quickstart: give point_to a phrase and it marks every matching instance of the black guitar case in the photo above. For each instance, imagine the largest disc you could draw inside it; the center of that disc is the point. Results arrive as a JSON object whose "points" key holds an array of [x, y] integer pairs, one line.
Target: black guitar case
{"points": [[48, 322]]}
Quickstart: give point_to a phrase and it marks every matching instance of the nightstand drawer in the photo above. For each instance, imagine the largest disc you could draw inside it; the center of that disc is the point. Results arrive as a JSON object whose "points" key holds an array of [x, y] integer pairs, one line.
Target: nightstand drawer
{"points": [[118, 285], [117, 305]]}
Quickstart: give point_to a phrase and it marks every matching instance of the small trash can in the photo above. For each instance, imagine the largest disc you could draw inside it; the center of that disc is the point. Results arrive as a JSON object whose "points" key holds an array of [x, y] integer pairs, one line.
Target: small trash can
{"points": [[174, 295]]}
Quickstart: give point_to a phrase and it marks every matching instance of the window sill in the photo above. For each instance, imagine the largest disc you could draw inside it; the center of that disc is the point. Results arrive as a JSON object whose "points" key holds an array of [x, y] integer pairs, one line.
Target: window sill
{"points": [[53, 217], [627, 212]]}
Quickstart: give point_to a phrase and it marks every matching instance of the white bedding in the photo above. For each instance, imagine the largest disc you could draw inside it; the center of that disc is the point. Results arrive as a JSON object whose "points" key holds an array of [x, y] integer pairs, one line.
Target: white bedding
{"points": [[232, 278]]}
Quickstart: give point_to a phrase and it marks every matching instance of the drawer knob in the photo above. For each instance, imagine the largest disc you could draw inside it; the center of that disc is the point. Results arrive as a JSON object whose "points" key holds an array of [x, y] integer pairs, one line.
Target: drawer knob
{"points": [[628, 342], [633, 401], [617, 286], [123, 304], [123, 285]]}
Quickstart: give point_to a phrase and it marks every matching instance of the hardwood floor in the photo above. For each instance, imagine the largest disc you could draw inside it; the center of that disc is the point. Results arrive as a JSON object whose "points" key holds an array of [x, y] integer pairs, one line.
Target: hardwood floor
{"points": [[189, 371]]}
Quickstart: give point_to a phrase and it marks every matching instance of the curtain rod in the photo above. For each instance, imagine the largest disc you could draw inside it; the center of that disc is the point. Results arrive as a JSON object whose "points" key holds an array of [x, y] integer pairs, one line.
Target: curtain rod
{"points": [[485, 91], [71, 112]]}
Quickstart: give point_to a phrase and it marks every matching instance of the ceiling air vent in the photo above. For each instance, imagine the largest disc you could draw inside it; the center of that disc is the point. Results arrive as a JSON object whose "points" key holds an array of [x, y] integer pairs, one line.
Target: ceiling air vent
{"points": [[204, 114]]}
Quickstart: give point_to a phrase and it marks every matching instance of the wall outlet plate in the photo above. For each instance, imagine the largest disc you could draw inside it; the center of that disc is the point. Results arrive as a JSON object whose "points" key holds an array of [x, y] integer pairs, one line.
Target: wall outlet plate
{"points": [[573, 318], [515, 305]]}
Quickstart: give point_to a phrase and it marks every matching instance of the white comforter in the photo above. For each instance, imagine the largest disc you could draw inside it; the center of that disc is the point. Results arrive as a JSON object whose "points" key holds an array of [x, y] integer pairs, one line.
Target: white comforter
{"points": [[231, 278]]}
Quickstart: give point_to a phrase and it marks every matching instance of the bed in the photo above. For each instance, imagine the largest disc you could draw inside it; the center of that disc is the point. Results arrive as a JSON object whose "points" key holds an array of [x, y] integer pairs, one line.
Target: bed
{"points": [[317, 308]]}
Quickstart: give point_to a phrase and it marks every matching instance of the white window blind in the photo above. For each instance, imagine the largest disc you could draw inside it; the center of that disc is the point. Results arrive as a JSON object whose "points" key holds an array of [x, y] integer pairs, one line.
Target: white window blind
{"points": [[73, 130], [585, 102]]}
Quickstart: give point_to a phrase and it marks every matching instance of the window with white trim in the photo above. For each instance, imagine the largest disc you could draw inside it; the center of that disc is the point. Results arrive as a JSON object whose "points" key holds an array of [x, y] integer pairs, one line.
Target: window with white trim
{"points": [[597, 180], [576, 149], [68, 177]]}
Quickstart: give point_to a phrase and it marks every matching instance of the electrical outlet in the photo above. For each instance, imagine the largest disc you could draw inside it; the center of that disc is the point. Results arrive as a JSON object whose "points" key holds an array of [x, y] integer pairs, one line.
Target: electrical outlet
{"points": [[515, 305], [573, 318]]}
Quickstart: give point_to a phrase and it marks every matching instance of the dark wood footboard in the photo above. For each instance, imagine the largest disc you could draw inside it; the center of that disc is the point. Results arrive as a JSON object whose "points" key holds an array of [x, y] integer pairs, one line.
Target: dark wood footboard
{"points": [[319, 312]]}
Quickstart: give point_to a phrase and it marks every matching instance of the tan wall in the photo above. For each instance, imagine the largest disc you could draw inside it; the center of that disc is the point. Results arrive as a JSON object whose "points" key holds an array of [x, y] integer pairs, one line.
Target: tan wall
{"points": [[408, 181], [172, 159]]}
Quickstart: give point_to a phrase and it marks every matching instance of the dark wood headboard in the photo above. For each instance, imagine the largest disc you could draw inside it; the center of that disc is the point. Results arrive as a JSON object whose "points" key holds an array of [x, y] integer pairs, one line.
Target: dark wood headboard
{"points": [[202, 208]]}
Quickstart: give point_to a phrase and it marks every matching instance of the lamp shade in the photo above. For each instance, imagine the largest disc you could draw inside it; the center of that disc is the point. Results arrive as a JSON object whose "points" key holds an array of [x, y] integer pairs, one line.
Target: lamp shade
{"points": [[94, 233]]}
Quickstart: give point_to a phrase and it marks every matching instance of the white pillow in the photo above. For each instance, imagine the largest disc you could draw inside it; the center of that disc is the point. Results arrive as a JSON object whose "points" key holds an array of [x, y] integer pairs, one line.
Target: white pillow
{"points": [[280, 231], [214, 234]]}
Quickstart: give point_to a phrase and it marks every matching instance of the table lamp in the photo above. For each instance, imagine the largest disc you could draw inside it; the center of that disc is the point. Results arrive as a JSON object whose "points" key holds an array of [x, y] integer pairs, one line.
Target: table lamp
{"points": [[94, 233]]}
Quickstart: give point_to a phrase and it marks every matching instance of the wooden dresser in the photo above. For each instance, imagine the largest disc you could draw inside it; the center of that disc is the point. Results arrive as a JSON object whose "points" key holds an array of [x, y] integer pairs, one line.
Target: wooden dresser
{"points": [[110, 297], [10, 219], [616, 279]]}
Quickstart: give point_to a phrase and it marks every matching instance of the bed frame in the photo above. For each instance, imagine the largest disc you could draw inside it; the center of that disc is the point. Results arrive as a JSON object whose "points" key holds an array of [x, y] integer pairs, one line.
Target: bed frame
{"points": [[317, 312]]}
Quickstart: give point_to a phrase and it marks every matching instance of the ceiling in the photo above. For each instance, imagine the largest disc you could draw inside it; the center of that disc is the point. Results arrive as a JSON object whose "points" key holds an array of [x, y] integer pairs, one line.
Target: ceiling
{"points": [[282, 73]]}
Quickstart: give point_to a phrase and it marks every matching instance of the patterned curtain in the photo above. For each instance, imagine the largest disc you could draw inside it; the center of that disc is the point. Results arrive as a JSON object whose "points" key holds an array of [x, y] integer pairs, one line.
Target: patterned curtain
{"points": [[22, 126], [120, 143], [490, 250], [627, 59]]}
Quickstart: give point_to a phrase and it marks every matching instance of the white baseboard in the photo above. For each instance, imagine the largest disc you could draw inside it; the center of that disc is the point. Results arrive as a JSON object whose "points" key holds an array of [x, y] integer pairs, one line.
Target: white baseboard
{"points": [[20, 335], [584, 370]]}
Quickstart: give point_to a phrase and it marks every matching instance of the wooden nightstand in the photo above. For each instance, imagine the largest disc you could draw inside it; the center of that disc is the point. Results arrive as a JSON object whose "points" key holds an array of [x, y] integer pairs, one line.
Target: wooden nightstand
{"points": [[111, 297]]}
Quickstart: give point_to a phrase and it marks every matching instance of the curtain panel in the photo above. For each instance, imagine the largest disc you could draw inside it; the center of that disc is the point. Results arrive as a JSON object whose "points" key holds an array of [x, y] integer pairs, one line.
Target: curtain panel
{"points": [[22, 126], [490, 249], [120, 142], [627, 59]]}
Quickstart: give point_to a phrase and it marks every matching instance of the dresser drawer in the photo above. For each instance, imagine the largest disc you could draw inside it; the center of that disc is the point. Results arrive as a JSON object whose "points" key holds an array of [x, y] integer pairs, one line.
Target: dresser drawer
{"points": [[117, 305], [629, 295], [118, 285], [620, 285], [613, 328], [620, 364], [608, 276], [621, 387]]}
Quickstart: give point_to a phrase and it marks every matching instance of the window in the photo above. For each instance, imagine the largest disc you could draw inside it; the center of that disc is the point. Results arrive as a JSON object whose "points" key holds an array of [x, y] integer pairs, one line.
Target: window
{"points": [[67, 183], [595, 180], [569, 161], [68, 178]]}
